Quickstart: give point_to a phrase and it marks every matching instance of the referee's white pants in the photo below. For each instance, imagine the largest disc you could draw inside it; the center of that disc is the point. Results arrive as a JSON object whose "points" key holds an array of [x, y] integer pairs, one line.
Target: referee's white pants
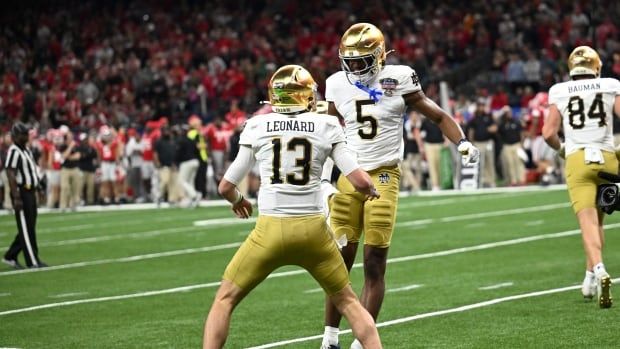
{"points": [[187, 176]]}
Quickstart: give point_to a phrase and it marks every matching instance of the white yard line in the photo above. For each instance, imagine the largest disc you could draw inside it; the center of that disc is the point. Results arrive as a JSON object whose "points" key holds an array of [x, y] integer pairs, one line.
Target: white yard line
{"points": [[69, 294], [448, 201], [483, 215], [534, 223], [404, 288], [496, 286], [237, 221], [126, 259], [301, 271], [314, 290], [5, 294], [223, 221], [460, 309], [136, 235]]}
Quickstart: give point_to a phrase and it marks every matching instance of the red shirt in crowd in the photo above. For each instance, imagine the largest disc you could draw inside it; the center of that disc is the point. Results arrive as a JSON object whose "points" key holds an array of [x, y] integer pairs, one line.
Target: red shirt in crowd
{"points": [[107, 151], [148, 143], [218, 136]]}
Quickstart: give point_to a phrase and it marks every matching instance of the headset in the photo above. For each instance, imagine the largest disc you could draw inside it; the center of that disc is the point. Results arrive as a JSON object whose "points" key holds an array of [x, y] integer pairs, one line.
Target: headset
{"points": [[608, 194]]}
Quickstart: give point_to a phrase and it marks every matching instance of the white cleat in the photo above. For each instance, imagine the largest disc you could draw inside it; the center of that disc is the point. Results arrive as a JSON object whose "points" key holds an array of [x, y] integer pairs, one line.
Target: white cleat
{"points": [[356, 345], [588, 288]]}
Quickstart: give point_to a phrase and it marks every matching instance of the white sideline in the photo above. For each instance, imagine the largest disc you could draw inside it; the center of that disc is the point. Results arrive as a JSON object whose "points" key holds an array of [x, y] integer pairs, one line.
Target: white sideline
{"points": [[435, 313], [231, 221], [301, 271], [224, 203]]}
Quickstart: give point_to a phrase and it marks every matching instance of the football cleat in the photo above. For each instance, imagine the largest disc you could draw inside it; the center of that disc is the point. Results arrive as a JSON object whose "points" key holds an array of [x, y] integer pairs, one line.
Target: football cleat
{"points": [[588, 288], [332, 346], [604, 292], [13, 263]]}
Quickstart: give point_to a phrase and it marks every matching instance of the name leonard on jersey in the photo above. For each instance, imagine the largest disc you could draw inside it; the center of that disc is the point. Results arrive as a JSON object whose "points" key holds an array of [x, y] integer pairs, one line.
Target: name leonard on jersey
{"points": [[290, 125]]}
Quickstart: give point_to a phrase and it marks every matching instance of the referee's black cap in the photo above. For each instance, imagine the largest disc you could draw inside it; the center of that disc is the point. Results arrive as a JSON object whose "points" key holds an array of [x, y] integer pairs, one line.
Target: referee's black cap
{"points": [[19, 128]]}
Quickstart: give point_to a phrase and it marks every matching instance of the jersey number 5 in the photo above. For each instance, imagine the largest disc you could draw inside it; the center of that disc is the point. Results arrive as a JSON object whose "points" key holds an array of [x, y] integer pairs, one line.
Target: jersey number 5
{"points": [[361, 118], [303, 162], [576, 116]]}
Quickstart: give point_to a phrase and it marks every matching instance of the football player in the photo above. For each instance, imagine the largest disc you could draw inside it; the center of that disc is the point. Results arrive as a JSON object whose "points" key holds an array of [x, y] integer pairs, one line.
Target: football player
{"points": [[372, 98], [584, 108], [290, 147]]}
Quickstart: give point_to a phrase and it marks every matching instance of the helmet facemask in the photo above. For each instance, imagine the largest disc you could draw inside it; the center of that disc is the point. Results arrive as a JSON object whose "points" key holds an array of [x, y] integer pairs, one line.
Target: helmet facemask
{"points": [[362, 52], [369, 67]]}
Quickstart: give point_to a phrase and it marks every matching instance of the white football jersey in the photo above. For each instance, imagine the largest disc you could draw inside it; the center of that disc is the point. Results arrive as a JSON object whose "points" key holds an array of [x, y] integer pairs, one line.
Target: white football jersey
{"points": [[587, 108], [374, 131], [290, 151]]}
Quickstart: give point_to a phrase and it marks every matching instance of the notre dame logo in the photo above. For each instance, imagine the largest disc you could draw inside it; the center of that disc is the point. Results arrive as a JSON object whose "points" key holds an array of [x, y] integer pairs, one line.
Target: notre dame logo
{"points": [[415, 79], [384, 178]]}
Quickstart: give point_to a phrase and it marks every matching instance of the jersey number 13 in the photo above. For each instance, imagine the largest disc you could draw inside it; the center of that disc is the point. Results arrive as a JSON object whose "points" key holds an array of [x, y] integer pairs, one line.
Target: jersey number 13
{"points": [[302, 162]]}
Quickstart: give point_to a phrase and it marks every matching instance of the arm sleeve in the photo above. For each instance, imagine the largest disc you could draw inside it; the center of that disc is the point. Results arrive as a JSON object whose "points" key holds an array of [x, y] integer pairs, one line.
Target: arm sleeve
{"points": [[344, 159], [241, 166]]}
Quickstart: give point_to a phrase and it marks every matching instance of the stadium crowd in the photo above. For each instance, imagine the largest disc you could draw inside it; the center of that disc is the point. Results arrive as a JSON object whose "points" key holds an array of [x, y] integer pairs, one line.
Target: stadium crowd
{"points": [[115, 88]]}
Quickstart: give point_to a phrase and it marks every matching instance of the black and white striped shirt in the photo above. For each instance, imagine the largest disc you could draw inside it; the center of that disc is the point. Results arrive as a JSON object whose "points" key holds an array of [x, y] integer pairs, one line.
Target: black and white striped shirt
{"points": [[22, 161]]}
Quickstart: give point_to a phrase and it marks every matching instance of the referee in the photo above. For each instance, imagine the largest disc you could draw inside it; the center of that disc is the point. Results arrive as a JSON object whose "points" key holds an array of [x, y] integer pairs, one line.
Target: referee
{"points": [[23, 181]]}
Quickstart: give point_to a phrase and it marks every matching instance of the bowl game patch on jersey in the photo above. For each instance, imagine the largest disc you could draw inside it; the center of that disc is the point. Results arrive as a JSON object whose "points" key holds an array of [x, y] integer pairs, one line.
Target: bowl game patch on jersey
{"points": [[388, 85]]}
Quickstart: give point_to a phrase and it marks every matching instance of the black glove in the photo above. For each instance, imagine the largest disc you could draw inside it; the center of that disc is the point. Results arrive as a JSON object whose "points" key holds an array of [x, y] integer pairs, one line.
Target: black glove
{"points": [[42, 184], [607, 198]]}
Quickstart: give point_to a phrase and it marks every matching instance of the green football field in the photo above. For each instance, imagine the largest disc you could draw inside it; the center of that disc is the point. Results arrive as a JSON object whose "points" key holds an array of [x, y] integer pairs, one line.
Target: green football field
{"points": [[472, 271]]}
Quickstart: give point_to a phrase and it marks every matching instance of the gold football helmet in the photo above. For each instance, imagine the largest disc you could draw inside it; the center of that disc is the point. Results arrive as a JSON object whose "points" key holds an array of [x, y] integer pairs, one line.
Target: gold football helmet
{"points": [[584, 61], [362, 52], [292, 89]]}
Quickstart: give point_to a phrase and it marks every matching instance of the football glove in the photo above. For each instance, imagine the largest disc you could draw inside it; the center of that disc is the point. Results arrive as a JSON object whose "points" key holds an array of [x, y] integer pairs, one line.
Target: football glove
{"points": [[327, 190], [562, 151], [469, 153]]}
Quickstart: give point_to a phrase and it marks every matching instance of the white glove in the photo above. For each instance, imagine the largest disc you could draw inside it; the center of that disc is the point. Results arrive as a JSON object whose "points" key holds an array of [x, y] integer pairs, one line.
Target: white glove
{"points": [[327, 190], [469, 153]]}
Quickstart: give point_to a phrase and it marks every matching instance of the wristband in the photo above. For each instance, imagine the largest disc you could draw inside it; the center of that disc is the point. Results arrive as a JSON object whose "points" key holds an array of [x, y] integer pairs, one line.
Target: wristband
{"points": [[239, 197], [463, 140]]}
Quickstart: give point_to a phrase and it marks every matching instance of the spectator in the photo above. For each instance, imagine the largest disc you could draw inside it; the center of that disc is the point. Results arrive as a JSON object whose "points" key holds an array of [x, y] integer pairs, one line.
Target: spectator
{"points": [[165, 155], [109, 153], [430, 142], [192, 150], [54, 158], [133, 151], [88, 165], [412, 159], [510, 134], [70, 176], [4, 148], [150, 180], [480, 131], [217, 133]]}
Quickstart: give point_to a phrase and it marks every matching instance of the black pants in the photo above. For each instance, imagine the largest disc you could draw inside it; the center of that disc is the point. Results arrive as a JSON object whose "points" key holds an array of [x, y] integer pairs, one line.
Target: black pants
{"points": [[26, 239]]}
